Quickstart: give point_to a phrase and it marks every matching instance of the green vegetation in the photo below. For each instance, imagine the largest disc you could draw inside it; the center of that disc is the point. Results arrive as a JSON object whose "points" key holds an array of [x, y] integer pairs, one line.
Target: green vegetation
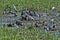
{"points": [[26, 34], [36, 5], [31, 33]]}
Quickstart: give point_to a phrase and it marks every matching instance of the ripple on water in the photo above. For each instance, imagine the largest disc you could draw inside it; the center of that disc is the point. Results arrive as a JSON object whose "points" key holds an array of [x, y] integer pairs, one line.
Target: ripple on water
{"points": [[57, 33]]}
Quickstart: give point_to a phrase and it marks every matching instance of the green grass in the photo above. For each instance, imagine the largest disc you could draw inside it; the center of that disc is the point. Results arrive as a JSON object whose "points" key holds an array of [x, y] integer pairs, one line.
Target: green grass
{"points": [[26, 34], [36, 5]]}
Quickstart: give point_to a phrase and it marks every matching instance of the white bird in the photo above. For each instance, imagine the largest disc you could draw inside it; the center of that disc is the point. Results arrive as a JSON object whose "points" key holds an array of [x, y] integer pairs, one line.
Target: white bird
{"points": [[53, 8], [52, 20]]}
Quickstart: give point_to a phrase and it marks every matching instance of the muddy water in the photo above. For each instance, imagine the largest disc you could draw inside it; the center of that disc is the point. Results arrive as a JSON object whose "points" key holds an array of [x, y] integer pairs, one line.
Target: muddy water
{"points": [[4, 20], [42, 16]]}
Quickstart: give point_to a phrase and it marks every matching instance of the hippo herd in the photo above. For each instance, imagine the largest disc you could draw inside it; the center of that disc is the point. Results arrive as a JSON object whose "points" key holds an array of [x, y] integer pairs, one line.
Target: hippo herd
{"points": [[40, 19]]}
